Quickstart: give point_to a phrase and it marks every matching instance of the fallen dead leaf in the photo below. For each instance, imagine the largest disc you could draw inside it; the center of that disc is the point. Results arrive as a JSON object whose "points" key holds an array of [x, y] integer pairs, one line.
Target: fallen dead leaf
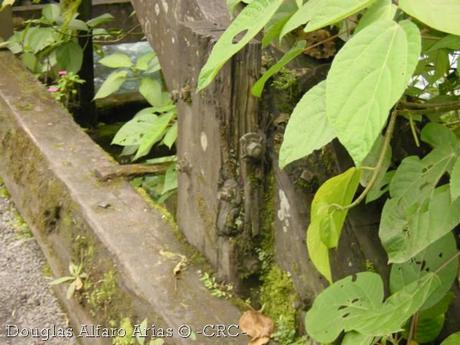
{"points": [[257, 326], [260, 341]]}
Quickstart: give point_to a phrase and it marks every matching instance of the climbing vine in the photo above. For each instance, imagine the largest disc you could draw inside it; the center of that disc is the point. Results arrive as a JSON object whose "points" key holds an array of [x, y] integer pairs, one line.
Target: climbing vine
{"points": [[396, 69]]}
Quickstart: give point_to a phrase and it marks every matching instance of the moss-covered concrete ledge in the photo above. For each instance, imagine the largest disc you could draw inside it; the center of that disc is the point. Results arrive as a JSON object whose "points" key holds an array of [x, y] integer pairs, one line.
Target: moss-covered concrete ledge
{"points": [[128, 248]]}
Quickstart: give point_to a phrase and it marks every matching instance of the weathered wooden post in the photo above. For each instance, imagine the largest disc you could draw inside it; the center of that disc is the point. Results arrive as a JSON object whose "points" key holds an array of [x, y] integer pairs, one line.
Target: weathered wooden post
{"points": [[218, 176]]}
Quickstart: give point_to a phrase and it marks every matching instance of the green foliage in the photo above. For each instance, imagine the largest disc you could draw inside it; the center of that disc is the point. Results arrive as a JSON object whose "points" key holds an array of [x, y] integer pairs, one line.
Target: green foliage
{"points": [[50, 44], [454, 339], [289, 56], [392, 71], [327, 217], [383, 49], [248, 23], [308, 128], [320, 13], [356, 304], [428, 261], [216, 289], [65, 90], [150, 127], [439, 14], [76, 279]]}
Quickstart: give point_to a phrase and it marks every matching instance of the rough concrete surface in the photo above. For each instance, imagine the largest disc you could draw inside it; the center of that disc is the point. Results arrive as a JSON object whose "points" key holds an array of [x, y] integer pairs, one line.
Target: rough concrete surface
{"points": [[26, 299]]}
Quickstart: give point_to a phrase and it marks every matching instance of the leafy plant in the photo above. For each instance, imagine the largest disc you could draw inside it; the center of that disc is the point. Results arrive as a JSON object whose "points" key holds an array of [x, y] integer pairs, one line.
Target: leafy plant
{"points": [[76, 279], [65, 90], [50, 44], [217, 289], [152, 126], [397, 68]]}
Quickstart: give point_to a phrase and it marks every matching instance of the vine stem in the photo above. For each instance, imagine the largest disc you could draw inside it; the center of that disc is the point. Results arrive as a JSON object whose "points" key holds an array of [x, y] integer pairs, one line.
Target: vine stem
{"points": [[413, 328], [378, 167]]}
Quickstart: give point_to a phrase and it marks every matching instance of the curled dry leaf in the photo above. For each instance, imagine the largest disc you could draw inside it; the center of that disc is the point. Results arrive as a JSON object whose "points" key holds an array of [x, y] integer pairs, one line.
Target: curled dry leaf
{"points": [[257, 326]]}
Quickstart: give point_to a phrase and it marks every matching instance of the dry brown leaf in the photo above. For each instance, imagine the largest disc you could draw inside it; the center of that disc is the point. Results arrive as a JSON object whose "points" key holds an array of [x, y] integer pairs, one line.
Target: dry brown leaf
{"points": [[257, 326], [260, 341]]}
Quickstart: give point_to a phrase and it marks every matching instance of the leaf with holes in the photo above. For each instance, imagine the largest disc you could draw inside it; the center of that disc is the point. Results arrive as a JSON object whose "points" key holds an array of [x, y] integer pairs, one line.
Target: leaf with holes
{"points": [[321, 13], [367, 77], [132, 132], [429, 260], [355, 304], [333, 310], [295, 51], [308, 128], [407, 230], [397, 309], [441, 15], [244, 28]]}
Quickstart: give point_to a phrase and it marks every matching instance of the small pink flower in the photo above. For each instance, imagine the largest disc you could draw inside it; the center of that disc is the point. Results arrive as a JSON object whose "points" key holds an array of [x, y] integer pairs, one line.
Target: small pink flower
{"points": [[62, 73], [53, 89]]}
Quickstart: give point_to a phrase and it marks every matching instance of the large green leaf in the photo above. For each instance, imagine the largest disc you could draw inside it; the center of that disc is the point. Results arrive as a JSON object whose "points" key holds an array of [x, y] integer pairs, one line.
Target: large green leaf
{"points": [[407, 230], [355, 304], [354, 338], [333, 310], [152, 91], [431, 321], [380, 10], [335, 192], [154, 134], [318, 252], [117, 60], [326, 221], [112, 84], [320, 13], [414, 46], [441, 15], [248, 23], [308, 128], [367, 77], [41, 38], [69, 56], [397, 309], [453, 339], [429, 260], [132, 132], [51, 12], [290, 55]]}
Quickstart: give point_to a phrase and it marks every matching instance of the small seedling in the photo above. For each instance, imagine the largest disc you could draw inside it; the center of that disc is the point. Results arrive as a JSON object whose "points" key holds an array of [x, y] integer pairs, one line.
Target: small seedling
{"points": [[76, 279]]}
